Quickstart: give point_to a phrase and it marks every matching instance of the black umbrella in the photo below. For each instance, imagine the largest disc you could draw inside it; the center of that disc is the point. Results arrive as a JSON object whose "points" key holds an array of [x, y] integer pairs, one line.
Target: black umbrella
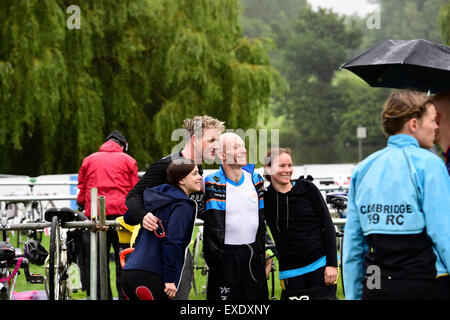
{"points": [[404, 64]]}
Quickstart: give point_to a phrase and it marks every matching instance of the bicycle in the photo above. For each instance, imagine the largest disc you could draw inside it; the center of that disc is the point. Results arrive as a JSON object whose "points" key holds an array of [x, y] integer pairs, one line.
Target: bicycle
{"points": [[338, 201], [57, 264], [11, 257], [197, 252], [269, 257], [26, 212]]}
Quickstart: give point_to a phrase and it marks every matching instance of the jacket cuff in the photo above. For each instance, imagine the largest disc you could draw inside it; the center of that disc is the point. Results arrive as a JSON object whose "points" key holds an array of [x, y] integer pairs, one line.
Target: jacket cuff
{"points": [[332, 260], [129, 219], [169, 276]]}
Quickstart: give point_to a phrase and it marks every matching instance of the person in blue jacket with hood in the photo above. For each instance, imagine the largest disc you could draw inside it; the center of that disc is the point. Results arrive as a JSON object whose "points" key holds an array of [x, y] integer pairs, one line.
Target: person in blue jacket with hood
{"points": [[153, 270], [396, 241]]}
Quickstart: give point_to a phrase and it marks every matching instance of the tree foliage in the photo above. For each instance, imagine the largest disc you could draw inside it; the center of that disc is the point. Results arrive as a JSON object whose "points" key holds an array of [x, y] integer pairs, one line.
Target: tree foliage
{"points": [[406, 19], [325, 105], [444, 23], [319, 42], [137, 66]]}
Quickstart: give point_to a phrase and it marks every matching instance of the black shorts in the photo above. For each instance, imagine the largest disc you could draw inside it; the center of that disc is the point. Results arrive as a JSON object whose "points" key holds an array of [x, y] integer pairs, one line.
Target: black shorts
{"points": [[143, 285]]}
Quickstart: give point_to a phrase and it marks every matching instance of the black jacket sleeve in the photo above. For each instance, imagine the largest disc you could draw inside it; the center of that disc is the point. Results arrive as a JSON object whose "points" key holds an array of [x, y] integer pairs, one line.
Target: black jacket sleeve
{"points": [[328, 229], [154, 176]]}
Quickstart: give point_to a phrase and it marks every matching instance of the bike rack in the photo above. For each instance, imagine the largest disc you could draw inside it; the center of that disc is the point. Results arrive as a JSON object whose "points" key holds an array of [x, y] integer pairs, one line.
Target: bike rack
{"points": [[98, 226]]}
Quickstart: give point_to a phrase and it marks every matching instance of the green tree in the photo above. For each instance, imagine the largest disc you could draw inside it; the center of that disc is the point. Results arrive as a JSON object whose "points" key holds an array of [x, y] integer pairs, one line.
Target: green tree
{"points": [[363, 106], [267, 11], [444, 23], [405, 19], [271, 21], [318, 44], [137, 66]]}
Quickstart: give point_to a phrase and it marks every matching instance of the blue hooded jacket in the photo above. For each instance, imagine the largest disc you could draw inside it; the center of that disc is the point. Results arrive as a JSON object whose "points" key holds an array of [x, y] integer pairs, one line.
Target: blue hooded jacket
{"points": [[165, 256], [398, 215]]}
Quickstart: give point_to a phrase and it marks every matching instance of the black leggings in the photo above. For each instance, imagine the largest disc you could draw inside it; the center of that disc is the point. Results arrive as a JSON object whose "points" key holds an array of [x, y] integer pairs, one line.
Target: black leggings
{"points": [[143, 285]]}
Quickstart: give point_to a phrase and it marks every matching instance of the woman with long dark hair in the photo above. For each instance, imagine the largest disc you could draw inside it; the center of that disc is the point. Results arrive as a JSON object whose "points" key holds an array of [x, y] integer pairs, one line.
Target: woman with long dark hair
{"points": [[153, 270]]}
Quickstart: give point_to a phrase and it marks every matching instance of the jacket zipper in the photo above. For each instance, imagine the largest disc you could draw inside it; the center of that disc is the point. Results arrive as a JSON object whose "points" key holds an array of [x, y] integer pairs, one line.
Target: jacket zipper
{"points": [[278, 228], [287, 206]]}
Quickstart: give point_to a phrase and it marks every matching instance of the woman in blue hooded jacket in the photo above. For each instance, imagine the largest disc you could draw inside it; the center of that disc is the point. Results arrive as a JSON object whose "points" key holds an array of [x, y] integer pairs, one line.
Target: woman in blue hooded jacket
{"points": [[153, 269], [396, 241]]}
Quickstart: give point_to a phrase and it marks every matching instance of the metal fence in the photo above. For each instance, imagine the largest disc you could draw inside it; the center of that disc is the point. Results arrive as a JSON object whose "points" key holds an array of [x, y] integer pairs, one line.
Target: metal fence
{"points": [[98, 225]]}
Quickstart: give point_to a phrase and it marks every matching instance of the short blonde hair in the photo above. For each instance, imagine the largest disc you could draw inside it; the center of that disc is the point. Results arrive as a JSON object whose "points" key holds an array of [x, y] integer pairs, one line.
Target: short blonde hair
{"points": [[206, 122]]}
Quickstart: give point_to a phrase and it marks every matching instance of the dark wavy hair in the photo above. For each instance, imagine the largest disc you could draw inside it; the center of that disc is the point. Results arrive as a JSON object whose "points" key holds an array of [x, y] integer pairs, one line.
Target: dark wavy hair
{"points": [[179, 169]]}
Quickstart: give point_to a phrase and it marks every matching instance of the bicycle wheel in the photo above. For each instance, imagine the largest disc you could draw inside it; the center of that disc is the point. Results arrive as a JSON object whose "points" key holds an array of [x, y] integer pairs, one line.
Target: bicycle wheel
{"points": [[63, 271], [195, 255], [53, 261], [341, 252]]}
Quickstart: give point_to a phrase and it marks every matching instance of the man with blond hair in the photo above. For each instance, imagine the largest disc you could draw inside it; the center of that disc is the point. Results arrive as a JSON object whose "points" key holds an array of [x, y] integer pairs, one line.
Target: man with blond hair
{"points": [[202, 134], [442, 105]]}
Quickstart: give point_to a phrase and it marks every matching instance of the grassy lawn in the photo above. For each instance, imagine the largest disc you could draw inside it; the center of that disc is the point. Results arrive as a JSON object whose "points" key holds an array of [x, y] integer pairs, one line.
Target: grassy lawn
{"points": [[200, 280]]}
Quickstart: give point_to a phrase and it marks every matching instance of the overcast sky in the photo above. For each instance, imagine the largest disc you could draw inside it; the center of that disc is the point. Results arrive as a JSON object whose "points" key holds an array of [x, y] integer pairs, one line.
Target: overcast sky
{"points": [[348, 7]]}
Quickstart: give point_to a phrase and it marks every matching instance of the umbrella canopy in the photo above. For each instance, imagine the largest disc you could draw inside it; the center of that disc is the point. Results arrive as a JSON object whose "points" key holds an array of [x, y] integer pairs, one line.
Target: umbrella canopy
{"points": [[404, 64]]}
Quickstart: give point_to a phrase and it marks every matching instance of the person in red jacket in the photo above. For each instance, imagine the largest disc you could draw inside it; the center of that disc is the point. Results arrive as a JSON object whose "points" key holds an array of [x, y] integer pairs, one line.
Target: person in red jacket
{"points": [[114, 173]]}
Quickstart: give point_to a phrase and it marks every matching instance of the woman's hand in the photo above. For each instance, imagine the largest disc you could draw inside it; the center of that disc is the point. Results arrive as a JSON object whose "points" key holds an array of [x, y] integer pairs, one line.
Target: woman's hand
{"points": [[149, 222], [170, 289], [330, 275]]}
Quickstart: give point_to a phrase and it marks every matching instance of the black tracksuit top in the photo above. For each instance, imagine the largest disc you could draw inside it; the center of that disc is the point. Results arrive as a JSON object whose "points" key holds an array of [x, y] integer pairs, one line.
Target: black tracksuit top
{"points": [[155, 176], [301, 225]]}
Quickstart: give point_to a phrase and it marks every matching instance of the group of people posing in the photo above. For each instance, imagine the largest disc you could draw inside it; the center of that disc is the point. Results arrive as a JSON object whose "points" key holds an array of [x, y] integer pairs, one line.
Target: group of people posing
{"points": [[411, 248], [235, 207]]}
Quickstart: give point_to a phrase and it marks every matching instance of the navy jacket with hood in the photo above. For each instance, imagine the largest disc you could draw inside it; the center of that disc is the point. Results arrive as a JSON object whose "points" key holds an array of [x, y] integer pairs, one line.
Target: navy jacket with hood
{"points": [[165, 256]]}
